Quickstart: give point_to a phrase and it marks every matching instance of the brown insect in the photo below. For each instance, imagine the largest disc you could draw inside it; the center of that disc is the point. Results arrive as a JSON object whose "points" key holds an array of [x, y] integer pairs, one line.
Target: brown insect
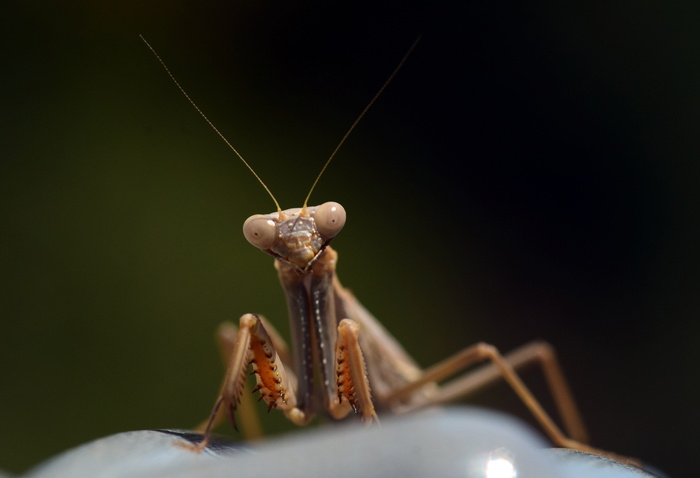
{"points": [[361, 367]]}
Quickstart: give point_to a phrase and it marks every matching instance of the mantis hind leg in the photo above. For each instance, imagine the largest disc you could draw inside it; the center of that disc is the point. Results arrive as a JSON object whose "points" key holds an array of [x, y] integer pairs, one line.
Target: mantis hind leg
{"points": [[503, 367]]}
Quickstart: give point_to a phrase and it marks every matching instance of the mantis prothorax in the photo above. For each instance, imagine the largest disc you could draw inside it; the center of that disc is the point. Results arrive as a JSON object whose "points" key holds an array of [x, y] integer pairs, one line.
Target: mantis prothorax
{"points": [[360, 366]]}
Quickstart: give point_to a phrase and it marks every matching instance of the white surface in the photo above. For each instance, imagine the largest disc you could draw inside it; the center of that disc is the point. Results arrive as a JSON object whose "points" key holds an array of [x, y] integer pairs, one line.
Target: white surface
{"points": [[458, 442]]}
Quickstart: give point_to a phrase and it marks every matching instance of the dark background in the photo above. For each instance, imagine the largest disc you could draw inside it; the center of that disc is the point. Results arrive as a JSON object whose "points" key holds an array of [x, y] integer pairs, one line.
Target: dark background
{"points": [[532, 172]]}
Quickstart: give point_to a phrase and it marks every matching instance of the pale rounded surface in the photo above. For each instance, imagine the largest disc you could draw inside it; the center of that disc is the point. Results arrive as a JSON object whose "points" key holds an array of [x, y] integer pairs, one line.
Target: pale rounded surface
{"points": [[330, 218], [260, 231], [453, 443]]}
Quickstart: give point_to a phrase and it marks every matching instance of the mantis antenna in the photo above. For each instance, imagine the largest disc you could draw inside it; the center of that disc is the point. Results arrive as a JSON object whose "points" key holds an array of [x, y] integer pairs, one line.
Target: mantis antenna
{"points": [[330, 158], [172, 77], [364, 111]]}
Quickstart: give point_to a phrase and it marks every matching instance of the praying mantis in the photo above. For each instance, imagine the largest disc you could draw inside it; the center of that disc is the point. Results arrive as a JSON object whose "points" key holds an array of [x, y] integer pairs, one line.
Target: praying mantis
{"points": [[342, 359]]}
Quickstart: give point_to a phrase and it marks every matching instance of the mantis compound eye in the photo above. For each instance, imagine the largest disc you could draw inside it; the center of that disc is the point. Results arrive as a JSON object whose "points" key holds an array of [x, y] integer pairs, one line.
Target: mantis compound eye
{"points": [[260, 231], [329, 218]]}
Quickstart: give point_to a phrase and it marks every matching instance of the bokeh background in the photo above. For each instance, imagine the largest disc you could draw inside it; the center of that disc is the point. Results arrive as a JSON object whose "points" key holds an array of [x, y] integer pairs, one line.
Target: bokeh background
{"points": [[531, 173]]}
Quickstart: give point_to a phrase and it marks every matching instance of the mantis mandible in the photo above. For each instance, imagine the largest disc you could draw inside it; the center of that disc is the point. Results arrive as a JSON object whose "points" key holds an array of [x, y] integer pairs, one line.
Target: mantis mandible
{"points": [[361, 368]]}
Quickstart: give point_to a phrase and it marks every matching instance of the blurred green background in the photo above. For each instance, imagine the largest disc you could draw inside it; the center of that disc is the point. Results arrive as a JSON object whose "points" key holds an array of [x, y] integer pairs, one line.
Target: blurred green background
{"points": [[531, 173]]}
